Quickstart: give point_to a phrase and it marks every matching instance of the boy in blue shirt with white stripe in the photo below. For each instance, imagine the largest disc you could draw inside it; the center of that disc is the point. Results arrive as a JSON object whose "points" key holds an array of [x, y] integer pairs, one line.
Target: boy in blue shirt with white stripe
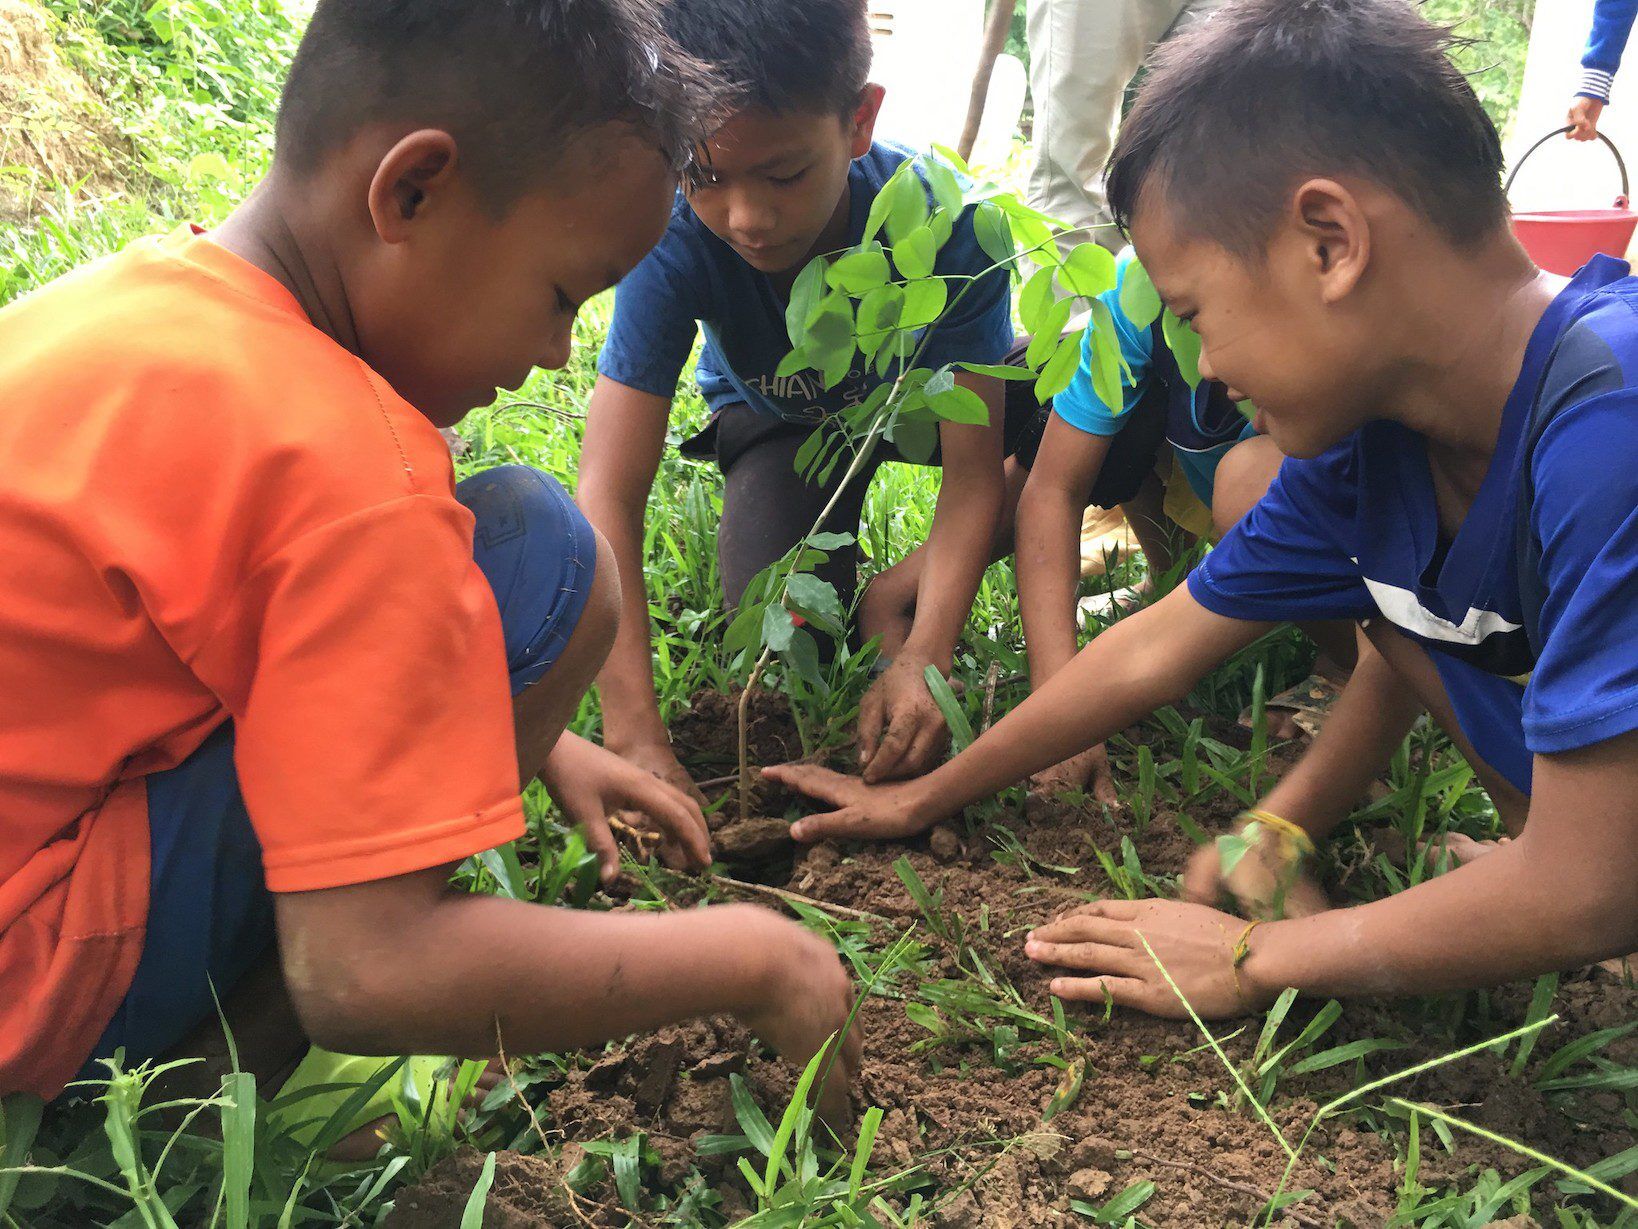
{"points": [[1315, 187]]}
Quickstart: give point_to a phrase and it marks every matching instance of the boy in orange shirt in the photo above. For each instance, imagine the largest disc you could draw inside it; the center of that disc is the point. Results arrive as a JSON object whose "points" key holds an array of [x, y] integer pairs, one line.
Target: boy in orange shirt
{"points": [[255, 645]]}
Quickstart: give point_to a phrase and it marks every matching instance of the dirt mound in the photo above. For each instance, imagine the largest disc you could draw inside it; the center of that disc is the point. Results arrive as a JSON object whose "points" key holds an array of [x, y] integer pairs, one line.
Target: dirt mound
{"points": [[968, 1095], [53, 126], [528, 1192]]}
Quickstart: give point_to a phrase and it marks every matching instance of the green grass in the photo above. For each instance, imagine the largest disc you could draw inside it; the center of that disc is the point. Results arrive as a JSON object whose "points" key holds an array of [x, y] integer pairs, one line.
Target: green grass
{"points": [[193, 83]]}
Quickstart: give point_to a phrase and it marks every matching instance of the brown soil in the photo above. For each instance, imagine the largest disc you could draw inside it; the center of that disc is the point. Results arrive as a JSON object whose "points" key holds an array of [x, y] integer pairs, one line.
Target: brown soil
{"points": [[1149, 1105], [52, 124]]}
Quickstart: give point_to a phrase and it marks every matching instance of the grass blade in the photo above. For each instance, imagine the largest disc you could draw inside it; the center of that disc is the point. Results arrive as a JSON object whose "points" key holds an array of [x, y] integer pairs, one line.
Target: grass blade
{"points": [[238, 1145], [472, 1218]]}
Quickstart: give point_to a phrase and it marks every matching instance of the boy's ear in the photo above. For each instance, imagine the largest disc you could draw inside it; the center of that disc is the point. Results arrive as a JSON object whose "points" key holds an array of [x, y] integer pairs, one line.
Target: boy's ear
{"points": [[862, 124], [1335, 236], [408, 179]]}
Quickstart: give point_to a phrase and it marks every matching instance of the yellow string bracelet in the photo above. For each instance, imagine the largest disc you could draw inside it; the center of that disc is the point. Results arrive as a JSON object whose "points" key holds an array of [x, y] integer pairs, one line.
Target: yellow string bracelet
{"points": [[1241, 950], [1295, 843]]}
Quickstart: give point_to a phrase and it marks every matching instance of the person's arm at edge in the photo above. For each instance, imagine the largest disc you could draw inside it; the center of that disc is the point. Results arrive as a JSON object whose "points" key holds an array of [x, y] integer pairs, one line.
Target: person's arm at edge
{"points": [[407, 965], [1048, 543], [1144, 661], [620, 455], [1557, 897]]}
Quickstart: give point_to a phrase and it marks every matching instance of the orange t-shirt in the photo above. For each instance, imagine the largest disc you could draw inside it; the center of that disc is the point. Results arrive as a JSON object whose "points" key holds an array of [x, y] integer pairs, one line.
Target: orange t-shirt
{"points": [[210, 510]]}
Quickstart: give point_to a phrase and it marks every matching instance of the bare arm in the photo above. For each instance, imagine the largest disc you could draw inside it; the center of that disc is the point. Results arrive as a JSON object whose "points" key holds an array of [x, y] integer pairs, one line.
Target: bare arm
{"points": [[1149, 659], [1048, 537], [963, 530], [901, 730], [406, 965], [1558, 897], [625, 436]]}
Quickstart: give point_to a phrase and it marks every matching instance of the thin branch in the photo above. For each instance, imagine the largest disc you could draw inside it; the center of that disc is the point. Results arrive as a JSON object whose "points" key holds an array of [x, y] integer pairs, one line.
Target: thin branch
{"points": [[790, 897]]}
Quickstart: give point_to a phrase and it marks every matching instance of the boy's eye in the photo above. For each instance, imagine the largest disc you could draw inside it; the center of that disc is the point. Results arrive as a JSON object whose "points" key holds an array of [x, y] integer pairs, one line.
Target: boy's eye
{"points": [[785, 181]]}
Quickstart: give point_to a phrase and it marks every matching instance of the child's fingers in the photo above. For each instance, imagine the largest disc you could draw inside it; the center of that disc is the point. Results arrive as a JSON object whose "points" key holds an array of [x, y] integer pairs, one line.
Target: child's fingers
{"points": [[681, 818], [1093, 957], [601, 842], [870, 725], [1124, 991], [823, 784], [1084, 928], [892, 750], [850, 822], [924, 749]]}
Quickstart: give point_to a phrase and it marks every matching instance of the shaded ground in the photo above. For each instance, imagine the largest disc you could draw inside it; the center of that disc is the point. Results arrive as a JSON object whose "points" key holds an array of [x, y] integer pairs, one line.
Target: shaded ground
{"points": [[966, 1100]]}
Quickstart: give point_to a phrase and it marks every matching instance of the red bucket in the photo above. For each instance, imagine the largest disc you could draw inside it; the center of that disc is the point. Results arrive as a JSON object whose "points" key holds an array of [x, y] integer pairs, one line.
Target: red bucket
{"points": [[1562, 240]]}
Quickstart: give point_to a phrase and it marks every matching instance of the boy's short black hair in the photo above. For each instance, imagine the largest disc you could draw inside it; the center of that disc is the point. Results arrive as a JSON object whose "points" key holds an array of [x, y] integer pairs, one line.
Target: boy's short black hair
{"points": [[514, 81], [780, 55], [1237, 110]]}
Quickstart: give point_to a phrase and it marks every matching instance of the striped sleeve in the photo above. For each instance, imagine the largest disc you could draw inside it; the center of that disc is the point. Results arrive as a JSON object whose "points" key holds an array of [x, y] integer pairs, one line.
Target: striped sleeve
{"points": [[1612, 24]]}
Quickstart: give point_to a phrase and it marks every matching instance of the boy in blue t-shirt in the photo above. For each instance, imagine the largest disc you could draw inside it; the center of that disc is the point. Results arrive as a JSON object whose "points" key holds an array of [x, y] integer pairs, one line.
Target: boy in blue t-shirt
{"points": [[1606, 41], [1461, 427], [788, 176]]}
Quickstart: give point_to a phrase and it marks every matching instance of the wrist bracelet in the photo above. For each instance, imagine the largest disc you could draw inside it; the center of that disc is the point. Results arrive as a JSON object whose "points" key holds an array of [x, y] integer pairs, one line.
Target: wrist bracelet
{"points": [[1238, 955], [1295, 843]]}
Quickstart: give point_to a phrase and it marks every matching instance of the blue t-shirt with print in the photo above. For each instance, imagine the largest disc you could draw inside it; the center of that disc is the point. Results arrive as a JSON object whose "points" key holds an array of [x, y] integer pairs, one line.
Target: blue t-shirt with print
{"points": [[1201, 422], [1354, 533], [695, 279]]}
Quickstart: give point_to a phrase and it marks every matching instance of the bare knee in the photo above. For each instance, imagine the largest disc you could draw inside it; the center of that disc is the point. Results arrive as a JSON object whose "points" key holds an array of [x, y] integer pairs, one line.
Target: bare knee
{"points": [[1242, 478]]}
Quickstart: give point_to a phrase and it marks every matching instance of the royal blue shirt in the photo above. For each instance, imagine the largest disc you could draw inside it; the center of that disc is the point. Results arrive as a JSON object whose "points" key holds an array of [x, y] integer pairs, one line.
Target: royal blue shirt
{"points": [[1354, 534], [1202, 424], [693, 279], [1611, 26]]}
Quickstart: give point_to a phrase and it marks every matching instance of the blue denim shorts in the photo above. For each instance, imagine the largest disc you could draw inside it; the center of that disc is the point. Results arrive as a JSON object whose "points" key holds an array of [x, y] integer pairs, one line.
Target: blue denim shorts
{"points": [[210, 915]]}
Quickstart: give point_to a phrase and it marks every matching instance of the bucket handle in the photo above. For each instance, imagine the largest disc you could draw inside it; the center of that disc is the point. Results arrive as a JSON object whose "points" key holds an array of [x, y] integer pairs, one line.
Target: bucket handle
{"points": [[1620, 162]]}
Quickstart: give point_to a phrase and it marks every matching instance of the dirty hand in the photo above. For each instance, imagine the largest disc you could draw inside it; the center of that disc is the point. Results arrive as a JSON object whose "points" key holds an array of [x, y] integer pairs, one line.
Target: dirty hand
{"points": [[1583, 119], [1196, 944], [658, 758], [901, 731], [806, 997], [592, 784], [1267, 882], [1087, 771], [863, 812]]}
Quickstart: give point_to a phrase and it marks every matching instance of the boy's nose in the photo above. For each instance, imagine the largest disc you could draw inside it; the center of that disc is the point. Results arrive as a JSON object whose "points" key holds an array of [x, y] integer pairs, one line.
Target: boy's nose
{"points": [[751, 219]]}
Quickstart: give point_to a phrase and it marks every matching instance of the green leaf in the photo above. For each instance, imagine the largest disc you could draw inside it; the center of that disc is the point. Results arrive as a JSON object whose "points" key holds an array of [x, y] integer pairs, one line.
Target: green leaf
{"points": [[795, 361], [992, 232], [942, 180], [1045, 342], [742, 631], [1035, 300], [803, 655], [908, 209], [1035, 237], [942, 224], [961, 732], [879, 314], [868, 1126], [830, 541], [916, 253], [1338, 1055], [960, 405], [859, 272], [1230, 849], [472, 1218], [1059, 371], [624, 1157], [815, 598], [915, 440], [1105, 345], [238, 1145], [751, 1118], [1184, 343], [954, 159], [998, 371], [1088, 270], [806, 293], [924, 303], [830, 334], [20, 1115], [777, 627], [1125, 1203], [1139, 300]]}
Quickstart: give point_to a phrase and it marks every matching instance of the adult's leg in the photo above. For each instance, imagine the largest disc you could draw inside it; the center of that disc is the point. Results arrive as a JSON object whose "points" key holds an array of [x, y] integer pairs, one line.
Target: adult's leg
{"points": [[767, 507], [1083, 54]]}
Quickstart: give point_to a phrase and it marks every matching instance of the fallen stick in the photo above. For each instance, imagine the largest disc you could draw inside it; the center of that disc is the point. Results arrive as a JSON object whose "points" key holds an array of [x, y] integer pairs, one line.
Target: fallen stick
{"points": [[1229, 1184], [788, 896]]}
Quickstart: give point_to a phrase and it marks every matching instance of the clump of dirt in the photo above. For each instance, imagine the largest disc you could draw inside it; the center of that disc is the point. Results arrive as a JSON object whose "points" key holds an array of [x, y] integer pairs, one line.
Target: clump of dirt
{"points": [[528, 1192], [52, 123], [1151, 1104]]}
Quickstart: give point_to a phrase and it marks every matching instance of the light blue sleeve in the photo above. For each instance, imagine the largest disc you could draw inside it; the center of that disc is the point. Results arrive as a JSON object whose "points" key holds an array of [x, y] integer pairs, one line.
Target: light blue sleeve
{"points": [[1080, 406]]}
